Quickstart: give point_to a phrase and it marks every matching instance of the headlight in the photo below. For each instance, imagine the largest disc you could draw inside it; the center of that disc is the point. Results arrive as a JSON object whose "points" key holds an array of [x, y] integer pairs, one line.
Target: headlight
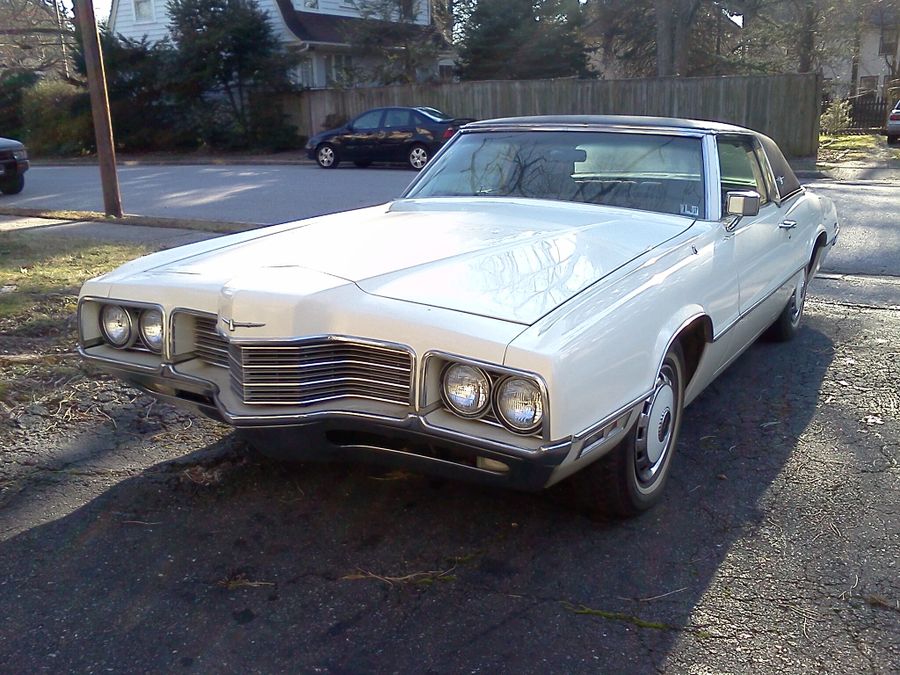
{"points": [[117, 326], [20, 155], [151, 327], [519, 404], [466, 390]]}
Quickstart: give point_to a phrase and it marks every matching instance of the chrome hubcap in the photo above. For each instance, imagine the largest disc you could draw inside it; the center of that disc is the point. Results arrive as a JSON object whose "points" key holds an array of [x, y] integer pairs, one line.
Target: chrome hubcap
{"points": [[418, 158], [656, 428], [798, 297], [326, 156]]}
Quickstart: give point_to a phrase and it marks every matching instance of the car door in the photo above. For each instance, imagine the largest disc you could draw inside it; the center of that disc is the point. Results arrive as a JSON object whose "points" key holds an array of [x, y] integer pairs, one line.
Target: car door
{"points": [[363, 136], [398, 130], [762, 243]]}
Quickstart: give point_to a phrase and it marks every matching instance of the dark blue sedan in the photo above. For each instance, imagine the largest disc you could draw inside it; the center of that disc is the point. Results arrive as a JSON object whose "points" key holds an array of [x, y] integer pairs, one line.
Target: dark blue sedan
{"points": [[408, 135]]}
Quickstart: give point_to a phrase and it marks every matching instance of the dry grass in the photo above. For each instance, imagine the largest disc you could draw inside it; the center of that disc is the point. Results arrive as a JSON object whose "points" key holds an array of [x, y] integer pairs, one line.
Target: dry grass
{"points": [[863, 148]]}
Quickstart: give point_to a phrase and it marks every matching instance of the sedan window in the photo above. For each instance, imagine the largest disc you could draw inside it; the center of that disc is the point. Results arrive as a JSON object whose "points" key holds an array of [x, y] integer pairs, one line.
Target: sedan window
{"points": [[650, 172], [367, 121], [397, 118]]}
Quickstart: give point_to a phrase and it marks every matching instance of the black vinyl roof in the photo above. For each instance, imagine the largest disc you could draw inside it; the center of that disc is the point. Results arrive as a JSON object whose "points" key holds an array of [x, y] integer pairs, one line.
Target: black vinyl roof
{"points": [[625, 121]]}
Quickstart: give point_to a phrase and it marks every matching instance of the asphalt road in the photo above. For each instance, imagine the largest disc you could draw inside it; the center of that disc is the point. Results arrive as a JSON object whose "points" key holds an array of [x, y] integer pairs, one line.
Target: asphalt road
{"points": [[272, 194], [247, 194]]}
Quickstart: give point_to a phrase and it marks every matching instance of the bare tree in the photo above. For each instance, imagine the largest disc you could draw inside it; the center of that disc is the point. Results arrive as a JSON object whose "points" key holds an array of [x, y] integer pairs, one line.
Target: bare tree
{"points": [[35, 35]]}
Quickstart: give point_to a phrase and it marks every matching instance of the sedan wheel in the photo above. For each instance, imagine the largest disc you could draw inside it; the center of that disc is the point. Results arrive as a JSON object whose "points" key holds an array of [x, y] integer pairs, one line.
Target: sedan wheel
{"points": [[12, 186], [326, 156], [418, 157], [631, 479]]}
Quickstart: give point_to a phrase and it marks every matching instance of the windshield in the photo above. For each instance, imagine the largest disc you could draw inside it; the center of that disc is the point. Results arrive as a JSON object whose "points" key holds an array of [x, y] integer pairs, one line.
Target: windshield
{"points": [[650, 172]]}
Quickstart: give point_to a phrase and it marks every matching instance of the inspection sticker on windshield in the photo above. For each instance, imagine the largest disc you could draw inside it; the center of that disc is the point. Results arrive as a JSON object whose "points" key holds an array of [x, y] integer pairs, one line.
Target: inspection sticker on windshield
{"points": [[690, 210]]}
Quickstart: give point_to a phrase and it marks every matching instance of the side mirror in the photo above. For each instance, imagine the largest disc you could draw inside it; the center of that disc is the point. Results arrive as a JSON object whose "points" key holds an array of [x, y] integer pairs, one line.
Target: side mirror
{"points": [[743, 203]]}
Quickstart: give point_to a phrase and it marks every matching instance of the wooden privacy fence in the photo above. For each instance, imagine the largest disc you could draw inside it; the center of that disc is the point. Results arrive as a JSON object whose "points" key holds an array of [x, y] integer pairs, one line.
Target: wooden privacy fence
{"points": [[785, 107]]}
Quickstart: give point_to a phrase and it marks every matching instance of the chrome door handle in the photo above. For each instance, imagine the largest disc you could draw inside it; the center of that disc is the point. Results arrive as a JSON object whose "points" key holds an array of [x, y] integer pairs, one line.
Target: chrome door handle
{"points": [[788, 225]]}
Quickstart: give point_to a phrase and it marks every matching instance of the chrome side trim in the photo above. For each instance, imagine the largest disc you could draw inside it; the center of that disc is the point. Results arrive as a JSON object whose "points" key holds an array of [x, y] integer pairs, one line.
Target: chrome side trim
{"points": [[755, 305], [584, 439], [543, 432]]}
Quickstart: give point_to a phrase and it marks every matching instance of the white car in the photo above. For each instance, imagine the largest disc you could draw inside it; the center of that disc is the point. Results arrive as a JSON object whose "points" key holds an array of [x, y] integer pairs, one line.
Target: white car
{"points": [[542, 302]]}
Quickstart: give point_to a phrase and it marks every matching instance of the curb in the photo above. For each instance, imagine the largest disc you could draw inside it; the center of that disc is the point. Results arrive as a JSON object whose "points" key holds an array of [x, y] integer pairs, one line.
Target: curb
{"points": [[217, 226]]}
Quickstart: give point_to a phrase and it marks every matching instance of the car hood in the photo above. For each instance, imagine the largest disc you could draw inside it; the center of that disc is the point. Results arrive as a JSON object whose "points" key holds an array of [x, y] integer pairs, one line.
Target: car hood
{"points": [[513, 260], [10, 144]]}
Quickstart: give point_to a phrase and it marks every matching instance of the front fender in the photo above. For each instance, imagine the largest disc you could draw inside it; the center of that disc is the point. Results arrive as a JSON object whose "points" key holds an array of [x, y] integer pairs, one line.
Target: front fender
{"points": [[603, 350]]}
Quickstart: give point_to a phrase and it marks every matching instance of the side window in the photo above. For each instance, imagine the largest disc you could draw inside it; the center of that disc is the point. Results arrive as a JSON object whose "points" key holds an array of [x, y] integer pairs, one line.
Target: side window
{"points": [[419, 120], [739, 167], [367, 121], [397, 118]]}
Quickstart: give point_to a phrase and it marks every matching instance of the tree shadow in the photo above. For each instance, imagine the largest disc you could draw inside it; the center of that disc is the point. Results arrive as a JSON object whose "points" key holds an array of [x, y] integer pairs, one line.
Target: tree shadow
{"points": [[225, 561]]}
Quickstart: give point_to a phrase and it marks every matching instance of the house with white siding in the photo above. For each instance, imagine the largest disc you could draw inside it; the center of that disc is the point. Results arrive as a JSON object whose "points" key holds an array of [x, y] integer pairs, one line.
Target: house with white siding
{"points": [[324, 31], [875, 70]]}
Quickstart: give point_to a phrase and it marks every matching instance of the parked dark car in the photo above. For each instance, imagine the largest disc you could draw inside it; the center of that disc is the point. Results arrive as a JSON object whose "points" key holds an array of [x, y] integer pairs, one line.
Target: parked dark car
{"points": [[409, 135], [14, 163]]}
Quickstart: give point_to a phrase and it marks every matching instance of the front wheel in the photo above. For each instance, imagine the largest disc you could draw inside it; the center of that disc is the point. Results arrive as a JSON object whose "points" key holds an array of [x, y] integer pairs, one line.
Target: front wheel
{"points": [[12, 186], [787, 324], [631, 479], [326, 156], [417, 157]]}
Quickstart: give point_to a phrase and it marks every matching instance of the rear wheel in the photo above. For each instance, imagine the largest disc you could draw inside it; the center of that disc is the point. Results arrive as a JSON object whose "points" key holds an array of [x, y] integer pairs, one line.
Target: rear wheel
{"points": [[631, 479], [12, 186], [417, 157], [326, 156]]}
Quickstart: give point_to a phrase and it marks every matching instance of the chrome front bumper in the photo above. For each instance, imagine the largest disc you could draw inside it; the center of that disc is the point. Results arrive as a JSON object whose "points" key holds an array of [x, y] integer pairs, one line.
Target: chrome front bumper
{"points": [[408, 442]]}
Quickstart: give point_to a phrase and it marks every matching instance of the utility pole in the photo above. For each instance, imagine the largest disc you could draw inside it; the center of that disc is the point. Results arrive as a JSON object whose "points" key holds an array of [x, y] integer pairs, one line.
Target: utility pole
{"points": [[96, 77]]}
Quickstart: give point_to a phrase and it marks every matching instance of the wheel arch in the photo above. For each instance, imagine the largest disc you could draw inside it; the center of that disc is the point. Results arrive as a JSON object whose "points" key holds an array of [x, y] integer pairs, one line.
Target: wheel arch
{"points": [[693, 333]]}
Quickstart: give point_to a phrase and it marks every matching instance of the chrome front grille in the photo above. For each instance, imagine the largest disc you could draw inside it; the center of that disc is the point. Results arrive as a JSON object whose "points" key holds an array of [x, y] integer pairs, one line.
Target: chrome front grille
{"points": [[319, 370], [209, 346]]}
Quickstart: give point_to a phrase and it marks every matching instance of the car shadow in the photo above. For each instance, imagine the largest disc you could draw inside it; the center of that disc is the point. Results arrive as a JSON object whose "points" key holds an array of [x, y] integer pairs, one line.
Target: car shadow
{"points": [[226, 561]]}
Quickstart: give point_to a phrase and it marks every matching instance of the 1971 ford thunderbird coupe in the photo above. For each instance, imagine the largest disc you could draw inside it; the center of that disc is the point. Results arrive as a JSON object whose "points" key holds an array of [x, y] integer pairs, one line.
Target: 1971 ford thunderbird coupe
{"points": [[542, 302]]}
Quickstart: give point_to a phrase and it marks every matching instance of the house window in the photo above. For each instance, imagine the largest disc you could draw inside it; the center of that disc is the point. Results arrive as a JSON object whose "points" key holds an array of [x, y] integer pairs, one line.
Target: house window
{"points": [[303, 74], [338, 69], [868, 84], [143, 11], [407, 10], [888, 45]]}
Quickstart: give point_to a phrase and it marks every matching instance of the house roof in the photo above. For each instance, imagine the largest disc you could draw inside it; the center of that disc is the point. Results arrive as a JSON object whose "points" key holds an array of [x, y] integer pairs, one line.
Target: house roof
{"points": [[316, 28]]}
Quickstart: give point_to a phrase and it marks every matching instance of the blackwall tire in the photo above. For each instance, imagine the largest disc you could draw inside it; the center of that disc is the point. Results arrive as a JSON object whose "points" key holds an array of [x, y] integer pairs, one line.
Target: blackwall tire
{"points": [[12, 186]]}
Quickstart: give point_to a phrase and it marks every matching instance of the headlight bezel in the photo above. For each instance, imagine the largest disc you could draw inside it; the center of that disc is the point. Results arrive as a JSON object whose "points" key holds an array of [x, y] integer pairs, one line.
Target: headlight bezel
{"points": [[436, 363], [20, 154], [89, 337]]}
